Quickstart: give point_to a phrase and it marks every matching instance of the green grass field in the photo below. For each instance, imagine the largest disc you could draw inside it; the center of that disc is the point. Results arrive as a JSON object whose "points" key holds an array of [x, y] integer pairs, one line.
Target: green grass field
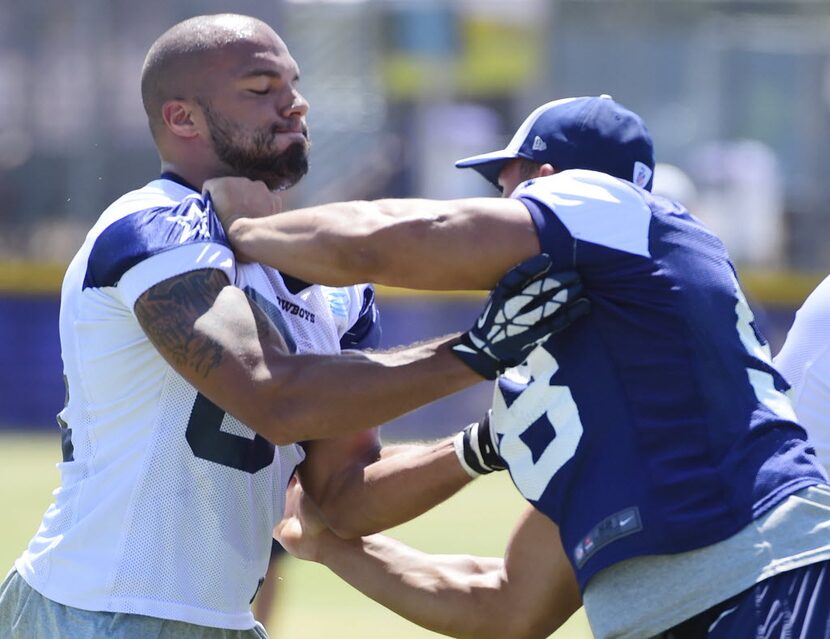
{"points": [[312, 603]]}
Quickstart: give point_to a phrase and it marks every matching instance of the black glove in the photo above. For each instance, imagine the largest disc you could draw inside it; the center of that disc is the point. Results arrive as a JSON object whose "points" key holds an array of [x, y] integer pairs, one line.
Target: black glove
{"points": [[476, 449], [527, 306]]}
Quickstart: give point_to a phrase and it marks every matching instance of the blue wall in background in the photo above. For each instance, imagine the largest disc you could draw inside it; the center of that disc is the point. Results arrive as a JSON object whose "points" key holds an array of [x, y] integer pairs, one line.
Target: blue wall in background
{"points": [[31, 377]]}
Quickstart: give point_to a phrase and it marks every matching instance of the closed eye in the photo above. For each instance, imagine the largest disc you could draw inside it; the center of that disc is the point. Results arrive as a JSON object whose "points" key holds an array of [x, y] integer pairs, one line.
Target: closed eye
{"points": [[258, 92]]}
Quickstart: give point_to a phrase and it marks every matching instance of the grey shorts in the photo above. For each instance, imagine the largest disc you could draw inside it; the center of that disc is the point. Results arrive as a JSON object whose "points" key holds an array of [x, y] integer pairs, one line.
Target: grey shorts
{"points": [[26, 614]]}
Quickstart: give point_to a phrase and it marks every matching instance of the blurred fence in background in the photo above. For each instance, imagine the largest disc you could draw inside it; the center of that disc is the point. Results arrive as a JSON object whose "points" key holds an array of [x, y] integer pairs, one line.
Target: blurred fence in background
{"points": [[736, 94]]}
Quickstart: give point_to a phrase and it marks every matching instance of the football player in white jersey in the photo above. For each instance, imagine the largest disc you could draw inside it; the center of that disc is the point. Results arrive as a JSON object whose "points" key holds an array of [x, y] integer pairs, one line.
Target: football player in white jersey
{"points": [[804, 360], [192, 376], [671, 488]]}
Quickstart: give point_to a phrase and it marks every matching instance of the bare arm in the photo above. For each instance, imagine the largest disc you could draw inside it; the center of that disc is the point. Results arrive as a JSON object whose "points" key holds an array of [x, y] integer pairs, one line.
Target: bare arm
{"points": [[361, 489], [527, 595], [423, 244], [223, 344]]}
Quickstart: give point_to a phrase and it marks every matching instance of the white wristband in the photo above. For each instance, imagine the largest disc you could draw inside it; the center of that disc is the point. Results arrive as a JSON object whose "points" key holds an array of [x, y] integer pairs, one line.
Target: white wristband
{"points": [[458, 444]]}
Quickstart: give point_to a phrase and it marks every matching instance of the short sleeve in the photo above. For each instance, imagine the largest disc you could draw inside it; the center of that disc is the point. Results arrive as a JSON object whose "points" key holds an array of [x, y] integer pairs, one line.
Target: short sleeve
{"points": [[554, 238], [578, 207], [149, 246]]}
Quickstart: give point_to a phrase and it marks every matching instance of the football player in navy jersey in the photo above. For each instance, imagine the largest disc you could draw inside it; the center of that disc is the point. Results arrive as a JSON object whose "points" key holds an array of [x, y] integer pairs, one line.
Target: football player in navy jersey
{"points": [[671, 488], [192, 378]]}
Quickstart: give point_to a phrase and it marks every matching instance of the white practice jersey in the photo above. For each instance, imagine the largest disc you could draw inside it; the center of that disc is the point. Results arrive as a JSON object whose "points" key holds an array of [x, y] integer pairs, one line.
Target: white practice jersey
{"points": [[166, 504], [804, 361]]}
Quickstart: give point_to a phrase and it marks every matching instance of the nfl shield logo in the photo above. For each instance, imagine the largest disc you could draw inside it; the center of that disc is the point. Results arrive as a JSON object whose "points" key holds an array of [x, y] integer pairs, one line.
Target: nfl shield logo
{"points": [[642, 174]]}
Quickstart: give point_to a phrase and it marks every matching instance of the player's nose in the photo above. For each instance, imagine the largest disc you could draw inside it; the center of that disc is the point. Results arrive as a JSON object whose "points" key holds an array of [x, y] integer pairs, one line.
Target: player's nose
{"points": [[298, 105]]}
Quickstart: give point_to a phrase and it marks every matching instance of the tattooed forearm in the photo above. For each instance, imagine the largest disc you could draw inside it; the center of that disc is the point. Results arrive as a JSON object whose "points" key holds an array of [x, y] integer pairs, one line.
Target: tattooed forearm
{"points": [[167, 313]]}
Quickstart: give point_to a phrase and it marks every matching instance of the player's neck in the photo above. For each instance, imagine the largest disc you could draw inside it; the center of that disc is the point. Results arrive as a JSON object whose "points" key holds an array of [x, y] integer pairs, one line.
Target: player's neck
{"points": [[194, 176]]}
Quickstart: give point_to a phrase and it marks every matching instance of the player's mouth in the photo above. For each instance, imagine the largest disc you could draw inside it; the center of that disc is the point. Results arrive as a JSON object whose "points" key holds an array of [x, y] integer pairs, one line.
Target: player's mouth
{"points": [[293, 136], [298, 131]]}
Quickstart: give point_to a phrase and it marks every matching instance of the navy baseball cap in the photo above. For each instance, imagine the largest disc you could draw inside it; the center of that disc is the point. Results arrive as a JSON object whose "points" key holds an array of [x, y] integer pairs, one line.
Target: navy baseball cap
{"points": [[594, 133]]}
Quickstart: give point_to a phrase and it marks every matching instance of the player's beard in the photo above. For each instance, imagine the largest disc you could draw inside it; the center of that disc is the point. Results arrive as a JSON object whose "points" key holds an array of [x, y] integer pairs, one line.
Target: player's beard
{"points": [[250, 154]]}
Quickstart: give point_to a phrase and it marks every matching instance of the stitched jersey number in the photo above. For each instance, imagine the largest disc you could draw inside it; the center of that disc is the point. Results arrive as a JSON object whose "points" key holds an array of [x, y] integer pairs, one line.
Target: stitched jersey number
{"points": [[204, 434], [209, 442], [534, 449]]}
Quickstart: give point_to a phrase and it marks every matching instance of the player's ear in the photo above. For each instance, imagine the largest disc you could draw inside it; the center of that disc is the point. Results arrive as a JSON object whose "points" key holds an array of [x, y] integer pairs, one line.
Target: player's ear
{"points": [[546, 170], [178, 116]]}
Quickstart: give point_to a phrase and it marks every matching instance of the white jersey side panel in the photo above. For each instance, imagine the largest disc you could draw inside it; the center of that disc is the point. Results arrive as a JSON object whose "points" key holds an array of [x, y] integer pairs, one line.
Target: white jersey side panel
{"points": [[167, 504], [804, 361]]}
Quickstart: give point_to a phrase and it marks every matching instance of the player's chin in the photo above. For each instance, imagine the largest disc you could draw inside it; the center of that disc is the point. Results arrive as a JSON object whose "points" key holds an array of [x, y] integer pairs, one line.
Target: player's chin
{"points": [[289, 168], [298, 152]]}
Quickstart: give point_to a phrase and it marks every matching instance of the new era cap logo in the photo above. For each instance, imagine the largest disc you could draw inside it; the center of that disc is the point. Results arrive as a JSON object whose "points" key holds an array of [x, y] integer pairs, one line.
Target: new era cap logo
{"points": [[539, 144]]}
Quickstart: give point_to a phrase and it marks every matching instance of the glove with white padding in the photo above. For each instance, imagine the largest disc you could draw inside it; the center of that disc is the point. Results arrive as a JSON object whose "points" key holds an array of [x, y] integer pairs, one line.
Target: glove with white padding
{"points": [[528, 305], [476, 448]]}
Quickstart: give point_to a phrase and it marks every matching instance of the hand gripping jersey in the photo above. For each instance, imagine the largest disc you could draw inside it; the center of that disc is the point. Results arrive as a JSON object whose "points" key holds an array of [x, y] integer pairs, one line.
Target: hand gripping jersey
{"points": [[167, 504], [657, 423]]}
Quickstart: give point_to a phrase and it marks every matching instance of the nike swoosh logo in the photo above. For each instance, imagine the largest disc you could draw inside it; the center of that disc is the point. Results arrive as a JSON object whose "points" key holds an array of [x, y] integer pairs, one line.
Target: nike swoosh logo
{"points": [[483, 317]]}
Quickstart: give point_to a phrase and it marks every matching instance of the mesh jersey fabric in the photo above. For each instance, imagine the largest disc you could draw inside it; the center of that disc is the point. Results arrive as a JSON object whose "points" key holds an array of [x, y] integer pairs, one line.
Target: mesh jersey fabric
{"points": [[166, 504], [804, 360]]}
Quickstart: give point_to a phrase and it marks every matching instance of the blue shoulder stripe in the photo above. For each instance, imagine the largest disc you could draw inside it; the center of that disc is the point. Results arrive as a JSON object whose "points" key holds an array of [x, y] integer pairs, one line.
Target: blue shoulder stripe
{"points": [[142, 234]]}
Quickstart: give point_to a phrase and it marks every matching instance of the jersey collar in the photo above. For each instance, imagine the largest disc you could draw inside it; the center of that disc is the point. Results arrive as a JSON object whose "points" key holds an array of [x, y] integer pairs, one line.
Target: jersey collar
{"points": [[169, 175]]}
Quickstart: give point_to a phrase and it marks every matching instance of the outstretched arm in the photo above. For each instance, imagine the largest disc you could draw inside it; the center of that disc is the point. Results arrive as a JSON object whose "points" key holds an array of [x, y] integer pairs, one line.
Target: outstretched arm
{"points": [[223, 344], [528, 594], [361, 489], [422, 244]]}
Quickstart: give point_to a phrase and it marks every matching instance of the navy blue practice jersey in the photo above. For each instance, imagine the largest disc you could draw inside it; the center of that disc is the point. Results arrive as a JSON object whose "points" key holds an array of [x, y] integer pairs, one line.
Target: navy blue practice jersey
{"points": [[656, 424]]}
